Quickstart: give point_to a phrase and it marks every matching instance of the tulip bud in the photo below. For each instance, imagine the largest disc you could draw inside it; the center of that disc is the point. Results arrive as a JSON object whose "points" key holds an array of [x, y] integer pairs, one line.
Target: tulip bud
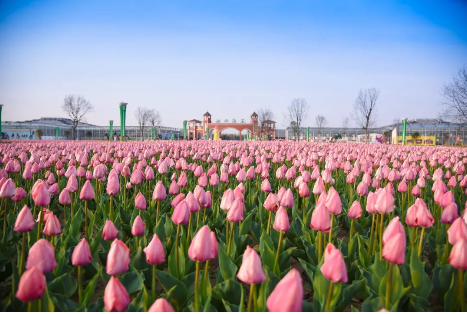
{"points": [[155, 251], [81, 254], [287, 296], [32, 285], [116, 298], [118, 258], [251, 271]]}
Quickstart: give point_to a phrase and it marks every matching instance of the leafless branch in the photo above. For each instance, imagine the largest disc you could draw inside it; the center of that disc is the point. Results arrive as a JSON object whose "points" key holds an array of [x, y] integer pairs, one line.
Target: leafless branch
{"points": [[76, 107], [142, 116], [455, 94], [265, 117], [364, 113], [297, 113]]}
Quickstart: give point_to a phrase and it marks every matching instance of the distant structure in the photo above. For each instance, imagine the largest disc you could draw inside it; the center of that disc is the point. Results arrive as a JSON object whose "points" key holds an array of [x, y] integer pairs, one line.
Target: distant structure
{"points": [[204, 129]]}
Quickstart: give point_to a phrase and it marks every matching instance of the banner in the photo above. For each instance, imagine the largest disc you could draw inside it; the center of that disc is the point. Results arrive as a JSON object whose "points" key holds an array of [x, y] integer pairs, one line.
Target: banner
{"points": [[422, 140]]}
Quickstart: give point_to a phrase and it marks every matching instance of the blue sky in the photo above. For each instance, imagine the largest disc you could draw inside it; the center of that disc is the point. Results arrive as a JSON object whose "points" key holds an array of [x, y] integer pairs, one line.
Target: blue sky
{"points": [[228, 57]]}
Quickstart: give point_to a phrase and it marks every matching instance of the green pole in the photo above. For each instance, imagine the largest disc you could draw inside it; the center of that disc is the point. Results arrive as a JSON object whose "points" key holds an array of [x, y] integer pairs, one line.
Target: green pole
{"points": [[207, 137], [1, 106], [308, 134], [111, 129], [56, 133], [185, 130], [172, 136], [404, 131], [122, 120]]}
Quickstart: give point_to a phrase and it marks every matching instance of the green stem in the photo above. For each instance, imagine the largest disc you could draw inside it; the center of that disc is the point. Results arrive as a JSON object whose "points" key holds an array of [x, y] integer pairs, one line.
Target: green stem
{"points": [[226, 231], [388, 287], [460, 280], [371, 233], [351, 229], [41, 221], [206, 273], [153, 291], [157, 213], [23, 248], [110, 208], [196, 288], [176, 251], [72, 207], [85, 219], [269, 223], [330, 231], [30, 306], [4, 203], [250, 300], [412, 239], [328, 300], [276, 262], [381, 238], [80, 286], [420, 245], [230, 239], [320, 249], [188, 234]]}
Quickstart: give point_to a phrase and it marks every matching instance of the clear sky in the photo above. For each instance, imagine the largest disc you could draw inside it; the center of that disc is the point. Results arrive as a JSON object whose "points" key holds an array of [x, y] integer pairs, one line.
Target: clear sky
{"points": [[228, 57]]}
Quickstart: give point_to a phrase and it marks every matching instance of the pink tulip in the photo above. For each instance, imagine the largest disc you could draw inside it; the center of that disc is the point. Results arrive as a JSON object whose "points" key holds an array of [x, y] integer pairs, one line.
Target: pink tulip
{"points": [[214, 179], [318, 188], [177, 199], [161, 305], [25, 221], [415, 190], [159, 193], [200, 249], [118, 258], [227, 200], [287, 296], [64, 197], [271, 203], [81, 254], [113, 184], [87, 192], [181, 213], [32, 285], [235, 213], [155, 251], [174, 189], [320, 219], [333, 202], [116, 298], [110, 232], [138, 227], [450, 214], [140, 201], [42, 256], [52, 226], [287, 199], [266, 186], [333, 268], [8, 189], [394, 242], [251, 270], [41, 195], [53, 190], [281, 221], [384, 202], [72, 184], [458, 256], [402, 187], [457, 231], [355, 211], [20, 194]]}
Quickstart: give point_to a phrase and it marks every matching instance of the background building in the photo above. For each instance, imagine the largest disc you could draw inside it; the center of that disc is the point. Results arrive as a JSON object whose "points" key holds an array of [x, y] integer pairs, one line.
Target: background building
{"points": [[29, 130]]}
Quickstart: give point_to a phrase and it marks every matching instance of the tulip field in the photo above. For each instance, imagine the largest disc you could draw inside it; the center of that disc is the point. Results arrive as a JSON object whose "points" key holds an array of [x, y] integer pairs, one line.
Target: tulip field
{"points": [[232, 226]]}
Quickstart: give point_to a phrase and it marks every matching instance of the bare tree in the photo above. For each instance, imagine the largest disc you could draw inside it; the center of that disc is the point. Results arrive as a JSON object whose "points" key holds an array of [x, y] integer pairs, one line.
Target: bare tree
{"points": [[345, 125], [364, 113], [297, 113], [154, 118], [142, 117], [455, 94], [321, 121], [76, 107], [265, 116]]}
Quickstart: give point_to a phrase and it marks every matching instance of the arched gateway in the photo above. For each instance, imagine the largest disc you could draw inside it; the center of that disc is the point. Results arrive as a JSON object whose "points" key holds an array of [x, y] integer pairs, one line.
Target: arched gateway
{"points": [[196, 129]]}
